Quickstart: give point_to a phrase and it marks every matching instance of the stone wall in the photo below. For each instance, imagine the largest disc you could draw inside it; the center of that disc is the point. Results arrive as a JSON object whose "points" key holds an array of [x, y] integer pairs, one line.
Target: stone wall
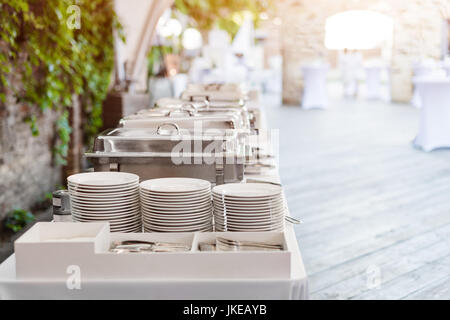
{"points": [[26, 169], [417, 33]]}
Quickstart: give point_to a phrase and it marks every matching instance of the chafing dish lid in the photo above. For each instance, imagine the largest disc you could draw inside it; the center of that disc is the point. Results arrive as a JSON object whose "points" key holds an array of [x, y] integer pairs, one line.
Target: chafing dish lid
{"points": [[163, 141]]}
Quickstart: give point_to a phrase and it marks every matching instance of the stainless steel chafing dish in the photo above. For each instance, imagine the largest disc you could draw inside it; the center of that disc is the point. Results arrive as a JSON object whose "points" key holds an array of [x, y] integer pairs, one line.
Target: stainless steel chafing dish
{"points": [[226, 95], [214, 92], [185, 119], [169, 151], [164, 106]]}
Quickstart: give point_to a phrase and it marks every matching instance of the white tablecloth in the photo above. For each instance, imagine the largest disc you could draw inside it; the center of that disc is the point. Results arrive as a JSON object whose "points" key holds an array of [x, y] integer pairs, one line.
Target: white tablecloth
{"points": [[315, 86], [420, 71], [295, 288], [434, 127]]}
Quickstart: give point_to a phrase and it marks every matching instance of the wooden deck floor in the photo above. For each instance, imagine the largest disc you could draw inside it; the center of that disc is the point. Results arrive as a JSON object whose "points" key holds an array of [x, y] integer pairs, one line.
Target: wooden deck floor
{"points": [[376, 210]]}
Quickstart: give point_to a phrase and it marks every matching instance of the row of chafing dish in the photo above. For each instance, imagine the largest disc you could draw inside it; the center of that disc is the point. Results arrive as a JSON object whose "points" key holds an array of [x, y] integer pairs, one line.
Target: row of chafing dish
{"points": [[209, 133]]}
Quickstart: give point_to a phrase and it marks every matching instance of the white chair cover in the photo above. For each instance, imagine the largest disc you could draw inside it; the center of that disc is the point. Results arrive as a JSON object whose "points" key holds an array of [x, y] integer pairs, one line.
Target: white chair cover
{"points": [[434, 127]]}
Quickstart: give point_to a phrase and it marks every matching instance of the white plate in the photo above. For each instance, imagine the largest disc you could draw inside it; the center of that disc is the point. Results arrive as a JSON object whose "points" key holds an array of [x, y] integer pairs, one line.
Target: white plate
{"points": [[101, 204], [172, 195], [116, 224], [130, 217], [176, 195], [127, 213], [93, 207], [137, 229], [272, 217], [103, 193], [103, 178], [274, 220], [115, 195], [219, 210], [249, 230], [207, 229], [175, 217], [97, 189], [163, 223], [199, 207], [175, 185], [177, 201], [177, 212], [181, 229], [249, 200], [104, 213], [175, 221], [247, 190], [274, 205], [187, 205], [249, 222]]}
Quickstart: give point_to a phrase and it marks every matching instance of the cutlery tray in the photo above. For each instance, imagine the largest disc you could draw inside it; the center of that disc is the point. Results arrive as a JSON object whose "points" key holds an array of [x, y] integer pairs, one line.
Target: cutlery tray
{"points": [[52, 250]]}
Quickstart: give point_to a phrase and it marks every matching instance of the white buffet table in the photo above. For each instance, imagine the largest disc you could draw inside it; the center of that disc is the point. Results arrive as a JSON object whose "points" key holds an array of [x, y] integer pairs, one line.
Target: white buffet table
{"points": [[295, 288]]}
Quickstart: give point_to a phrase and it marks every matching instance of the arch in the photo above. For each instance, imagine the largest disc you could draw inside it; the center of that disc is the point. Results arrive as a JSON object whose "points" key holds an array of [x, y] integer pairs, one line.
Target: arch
{"points": [[359, 30]]}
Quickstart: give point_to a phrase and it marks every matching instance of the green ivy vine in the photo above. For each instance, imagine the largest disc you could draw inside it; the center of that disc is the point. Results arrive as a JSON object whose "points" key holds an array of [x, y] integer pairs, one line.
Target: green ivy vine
{"points": [[58, 49]]}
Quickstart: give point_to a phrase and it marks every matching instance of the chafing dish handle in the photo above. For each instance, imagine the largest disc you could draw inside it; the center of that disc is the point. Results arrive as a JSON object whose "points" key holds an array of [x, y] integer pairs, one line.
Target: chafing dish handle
{"points": [[158, 130], [189, 112], [189, 107], [220, 177], [193, 96]]}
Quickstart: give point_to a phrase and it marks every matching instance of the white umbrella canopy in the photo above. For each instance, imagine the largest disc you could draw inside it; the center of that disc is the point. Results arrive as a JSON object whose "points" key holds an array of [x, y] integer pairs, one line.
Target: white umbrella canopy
{"points": [[357, 30]]}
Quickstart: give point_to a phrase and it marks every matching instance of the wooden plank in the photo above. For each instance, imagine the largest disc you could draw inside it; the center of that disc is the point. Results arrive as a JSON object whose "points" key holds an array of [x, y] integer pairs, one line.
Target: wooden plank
{"points": [[367, 197], [346, 271], [437, 291], [409, 282]]}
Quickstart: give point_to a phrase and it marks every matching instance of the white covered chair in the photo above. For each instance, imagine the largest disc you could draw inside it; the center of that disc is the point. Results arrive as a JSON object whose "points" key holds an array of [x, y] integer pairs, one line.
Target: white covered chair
{"points": [[434, 126], [315, 86]]}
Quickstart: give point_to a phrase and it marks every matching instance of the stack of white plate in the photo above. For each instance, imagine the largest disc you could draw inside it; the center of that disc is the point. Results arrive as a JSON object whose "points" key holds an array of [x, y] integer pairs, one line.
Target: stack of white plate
{"points": [[248, 207], [106, 196], [176, 205]]}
